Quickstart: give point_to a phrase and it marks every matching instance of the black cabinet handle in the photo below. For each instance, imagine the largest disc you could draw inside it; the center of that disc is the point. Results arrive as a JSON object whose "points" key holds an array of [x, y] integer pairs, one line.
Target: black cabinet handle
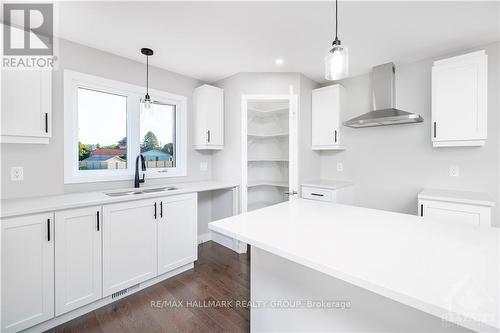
{"points": [[161, 208], [48, 230], [318, 195], [98, 227], [208, 136], [421, 210], [434, 129], [155, 210], [46, 123], [335, 136]]}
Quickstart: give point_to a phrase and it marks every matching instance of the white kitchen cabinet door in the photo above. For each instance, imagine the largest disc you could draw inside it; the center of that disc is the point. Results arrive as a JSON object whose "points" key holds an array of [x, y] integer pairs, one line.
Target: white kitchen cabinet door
{"points": [[27, 271], [327, 103], [209, 117], [456, 213], [78, 266], [177, 232], [129, 244], [26, 106], [459, 100]]}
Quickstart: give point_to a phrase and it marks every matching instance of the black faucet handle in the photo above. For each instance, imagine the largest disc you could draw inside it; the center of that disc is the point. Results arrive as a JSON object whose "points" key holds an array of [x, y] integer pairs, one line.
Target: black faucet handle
{"points": [[142, 180]]}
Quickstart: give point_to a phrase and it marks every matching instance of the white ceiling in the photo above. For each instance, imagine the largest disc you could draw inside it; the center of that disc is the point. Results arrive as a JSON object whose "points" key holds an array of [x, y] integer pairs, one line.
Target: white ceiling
{"points": [[212, 40]]}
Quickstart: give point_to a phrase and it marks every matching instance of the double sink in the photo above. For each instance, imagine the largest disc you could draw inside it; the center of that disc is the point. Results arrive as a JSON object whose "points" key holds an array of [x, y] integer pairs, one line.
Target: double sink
{"points": [[148, 190]]}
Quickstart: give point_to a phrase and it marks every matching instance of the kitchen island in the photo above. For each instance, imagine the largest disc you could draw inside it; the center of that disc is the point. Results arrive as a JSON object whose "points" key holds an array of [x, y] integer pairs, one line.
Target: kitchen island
{"points": [[319, 266]]}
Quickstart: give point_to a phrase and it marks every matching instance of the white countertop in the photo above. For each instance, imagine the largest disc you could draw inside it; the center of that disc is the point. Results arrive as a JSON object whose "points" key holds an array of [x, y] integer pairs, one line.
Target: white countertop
{"points": [[327, 183], [473, 198], [23, 206], [438, 268]]}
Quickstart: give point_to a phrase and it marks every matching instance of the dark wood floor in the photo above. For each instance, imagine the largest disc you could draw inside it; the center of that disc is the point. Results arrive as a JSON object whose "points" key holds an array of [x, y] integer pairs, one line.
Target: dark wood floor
{"points": [[218, 275]]}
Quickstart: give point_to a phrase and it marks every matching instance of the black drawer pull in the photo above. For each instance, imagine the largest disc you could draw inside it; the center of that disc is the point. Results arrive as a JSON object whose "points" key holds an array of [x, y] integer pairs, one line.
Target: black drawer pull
{"points": [[98, 227], [318, 194], [421, 210], [335, 136], [46, 123], [434, 129]]}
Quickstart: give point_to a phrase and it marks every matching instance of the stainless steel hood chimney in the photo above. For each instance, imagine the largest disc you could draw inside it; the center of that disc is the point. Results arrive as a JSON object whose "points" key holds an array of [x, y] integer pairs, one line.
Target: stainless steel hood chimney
{"points": [[383, 102]]}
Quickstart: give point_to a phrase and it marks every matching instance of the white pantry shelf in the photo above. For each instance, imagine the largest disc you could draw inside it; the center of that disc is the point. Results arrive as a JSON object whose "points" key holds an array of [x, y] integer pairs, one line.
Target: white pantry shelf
{"points": [[280, 110], [265, 136], [268, 183], [267, 159]]}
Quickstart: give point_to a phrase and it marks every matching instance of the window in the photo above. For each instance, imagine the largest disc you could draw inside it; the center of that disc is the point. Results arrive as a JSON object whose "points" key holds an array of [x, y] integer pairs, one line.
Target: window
{"points": [[158, 135], [102, 130], [107, 127]]}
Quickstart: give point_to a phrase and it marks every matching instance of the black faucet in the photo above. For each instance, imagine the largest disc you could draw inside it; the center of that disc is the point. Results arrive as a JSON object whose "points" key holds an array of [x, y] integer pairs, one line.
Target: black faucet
{"points": [[143, 167]]}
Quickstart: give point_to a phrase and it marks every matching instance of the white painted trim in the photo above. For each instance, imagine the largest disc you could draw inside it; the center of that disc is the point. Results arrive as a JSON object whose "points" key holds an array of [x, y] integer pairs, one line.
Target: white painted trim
{"points": [[206, 237], [73, 80], [293, 141]]}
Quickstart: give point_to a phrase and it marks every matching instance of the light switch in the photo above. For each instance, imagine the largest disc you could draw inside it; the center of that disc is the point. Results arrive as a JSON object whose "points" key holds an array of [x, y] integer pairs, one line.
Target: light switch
{"points": [[17, 174], [340, 166], [203, 166], [454, 171]]}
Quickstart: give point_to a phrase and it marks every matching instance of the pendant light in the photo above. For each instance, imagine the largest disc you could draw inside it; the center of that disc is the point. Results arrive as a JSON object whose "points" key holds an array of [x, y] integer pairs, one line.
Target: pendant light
{"points": [[336, 60], [147, 100]]}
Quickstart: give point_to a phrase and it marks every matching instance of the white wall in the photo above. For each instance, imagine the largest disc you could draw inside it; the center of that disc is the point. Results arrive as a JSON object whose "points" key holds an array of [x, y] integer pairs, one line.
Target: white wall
{"points": [[226, 164], [43, 164], [390, 164]]}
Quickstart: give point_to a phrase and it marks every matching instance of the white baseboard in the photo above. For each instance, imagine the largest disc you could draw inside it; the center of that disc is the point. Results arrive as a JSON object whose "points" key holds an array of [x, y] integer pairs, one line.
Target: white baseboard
{"points": [[232, 244], [205, 237]]}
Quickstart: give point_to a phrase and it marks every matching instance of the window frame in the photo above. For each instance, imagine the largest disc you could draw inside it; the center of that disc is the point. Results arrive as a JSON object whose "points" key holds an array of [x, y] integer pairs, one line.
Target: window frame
{"points": [[74, 80]]}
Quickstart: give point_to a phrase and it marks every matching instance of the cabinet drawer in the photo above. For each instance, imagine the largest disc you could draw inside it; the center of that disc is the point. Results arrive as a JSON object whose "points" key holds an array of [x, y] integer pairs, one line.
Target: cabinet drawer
{"points": [[320, 194]]}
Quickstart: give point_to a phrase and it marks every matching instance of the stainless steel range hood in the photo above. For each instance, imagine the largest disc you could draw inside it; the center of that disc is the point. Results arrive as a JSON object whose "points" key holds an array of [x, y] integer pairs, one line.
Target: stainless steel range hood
{"points": [[383, 102]]}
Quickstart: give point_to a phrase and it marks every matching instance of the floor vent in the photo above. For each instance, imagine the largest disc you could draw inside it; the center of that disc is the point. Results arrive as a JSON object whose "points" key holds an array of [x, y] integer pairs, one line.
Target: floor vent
{"points": [[124, 292]]}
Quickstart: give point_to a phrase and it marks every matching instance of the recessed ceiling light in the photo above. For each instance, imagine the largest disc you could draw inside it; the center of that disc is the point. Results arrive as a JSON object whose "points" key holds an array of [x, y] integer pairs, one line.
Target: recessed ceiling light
{"points": [[278, 61]]}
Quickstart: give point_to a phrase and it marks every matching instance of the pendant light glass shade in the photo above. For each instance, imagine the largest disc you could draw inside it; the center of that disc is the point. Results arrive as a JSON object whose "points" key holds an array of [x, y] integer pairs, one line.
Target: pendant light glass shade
{"points": [[336, 63], [336, 59]]}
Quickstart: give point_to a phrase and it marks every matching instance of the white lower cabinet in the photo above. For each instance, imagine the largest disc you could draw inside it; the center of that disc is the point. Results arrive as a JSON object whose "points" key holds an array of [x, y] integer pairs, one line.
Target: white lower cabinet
{"points": [[455, 212], [177, 232], [129, 244], [471, 208], [54, 263], [27, 271], [78, 265]]}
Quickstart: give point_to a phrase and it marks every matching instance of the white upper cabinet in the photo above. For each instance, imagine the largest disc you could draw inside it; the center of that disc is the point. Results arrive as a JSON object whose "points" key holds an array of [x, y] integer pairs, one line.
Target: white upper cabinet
{"points": [[459, 100], [27, 271], [26, 106], [78, 267], [327, 103], [208, 117]]}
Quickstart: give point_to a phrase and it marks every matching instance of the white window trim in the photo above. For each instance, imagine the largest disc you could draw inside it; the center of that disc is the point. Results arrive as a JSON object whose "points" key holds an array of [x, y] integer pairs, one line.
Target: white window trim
{"points": [[74, 80]]}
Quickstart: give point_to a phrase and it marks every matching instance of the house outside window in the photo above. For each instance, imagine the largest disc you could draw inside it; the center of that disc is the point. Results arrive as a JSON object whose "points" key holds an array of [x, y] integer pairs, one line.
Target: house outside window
{"points": [[107, 127]]}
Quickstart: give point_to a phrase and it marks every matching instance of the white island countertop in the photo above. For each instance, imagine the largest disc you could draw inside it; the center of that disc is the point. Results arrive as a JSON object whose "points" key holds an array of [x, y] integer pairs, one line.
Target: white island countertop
{"points": [[23, 206], [450, 271]]}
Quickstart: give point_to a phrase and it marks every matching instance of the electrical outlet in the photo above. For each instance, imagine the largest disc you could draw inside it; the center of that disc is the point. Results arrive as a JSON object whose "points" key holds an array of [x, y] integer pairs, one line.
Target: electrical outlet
{"points": [[203, 166], [340, 166], [454, 171], [17, 173]]}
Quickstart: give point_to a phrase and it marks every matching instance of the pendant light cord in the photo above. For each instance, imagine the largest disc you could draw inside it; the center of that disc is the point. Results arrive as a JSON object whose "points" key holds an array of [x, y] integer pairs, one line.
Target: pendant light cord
{"points": [[336, 18], [147, 75]]}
